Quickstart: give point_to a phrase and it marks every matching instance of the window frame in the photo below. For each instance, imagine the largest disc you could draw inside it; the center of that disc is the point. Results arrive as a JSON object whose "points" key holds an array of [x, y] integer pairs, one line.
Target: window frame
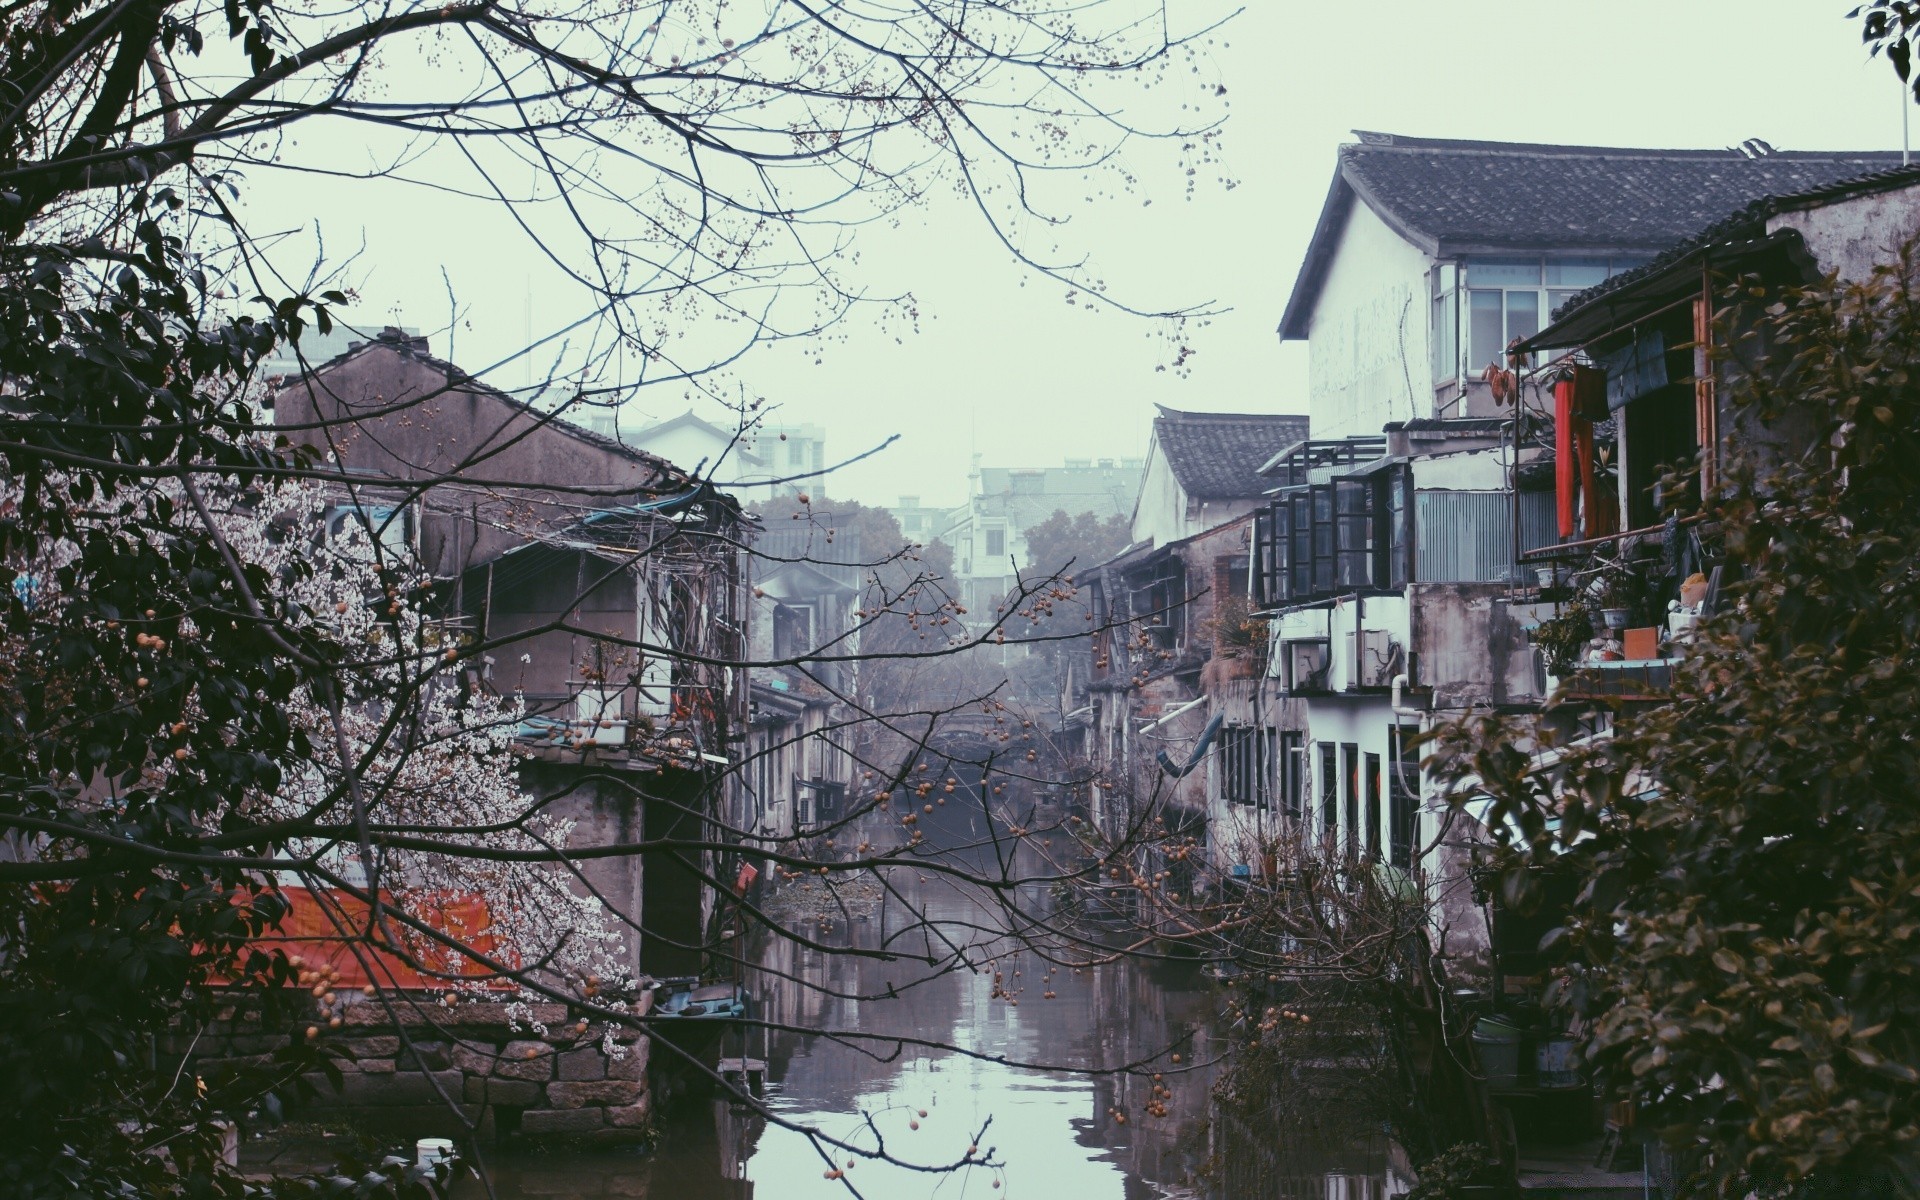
{"points": [[1403, 802], [1329, 790], [1443, 321], [1355, 533], [1350, 794], [1351, 534], [783, 631], [1451, 288], [1292, 753], [1375, 802]]}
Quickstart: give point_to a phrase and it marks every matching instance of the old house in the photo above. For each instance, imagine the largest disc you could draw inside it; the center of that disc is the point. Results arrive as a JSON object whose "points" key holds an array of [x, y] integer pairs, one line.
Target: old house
{"points": [[802, 714], [1431, 256], [1433, 550], [1632, 387], [1391, 557], [1174, 639], [1202, 470], [757, 462], [604, 584]]}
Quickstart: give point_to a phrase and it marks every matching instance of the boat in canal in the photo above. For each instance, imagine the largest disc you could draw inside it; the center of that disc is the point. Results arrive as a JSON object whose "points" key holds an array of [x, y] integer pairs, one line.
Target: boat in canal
{"points": [[686, 998]]}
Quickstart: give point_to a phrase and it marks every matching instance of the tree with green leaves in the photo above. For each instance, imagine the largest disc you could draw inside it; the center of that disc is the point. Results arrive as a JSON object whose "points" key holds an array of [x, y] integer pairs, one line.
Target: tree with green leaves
{"points": [[1746, 937]]}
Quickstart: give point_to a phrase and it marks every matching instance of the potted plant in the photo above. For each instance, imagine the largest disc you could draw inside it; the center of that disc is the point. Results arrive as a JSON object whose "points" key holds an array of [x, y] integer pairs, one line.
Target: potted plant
{"points": [[1238, 637], [1561, 638], [1617, 596]]}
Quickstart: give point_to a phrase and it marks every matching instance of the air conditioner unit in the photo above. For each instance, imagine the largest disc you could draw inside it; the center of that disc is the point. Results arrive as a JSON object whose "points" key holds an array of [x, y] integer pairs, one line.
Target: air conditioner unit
{"points": [[1376, 658], [1306, 666], [597, 717]]}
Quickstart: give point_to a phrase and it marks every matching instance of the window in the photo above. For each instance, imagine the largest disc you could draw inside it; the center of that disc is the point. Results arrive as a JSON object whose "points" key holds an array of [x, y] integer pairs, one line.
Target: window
{"points": [[1159, 600], [1245, 756], [996, 544], [1349, 535], [1398, 518], [792, 630], [1293, 773], [1230, 577], [1329, 791], [1354, 533], [1300, 545], [1505, 298], [1350, 761], [1270, 555], [1403, 787], [1503, 303], [1269, 766], [1373, 806], [827, 800], [1446, 322], [388, 525]]}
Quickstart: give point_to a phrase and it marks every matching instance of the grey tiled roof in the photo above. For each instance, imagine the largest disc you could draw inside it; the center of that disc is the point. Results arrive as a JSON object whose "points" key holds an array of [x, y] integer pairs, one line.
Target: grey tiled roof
{"points": [[1746, 224], [1217, 456], [1546, 197], [397, 341], [1447, 196]]}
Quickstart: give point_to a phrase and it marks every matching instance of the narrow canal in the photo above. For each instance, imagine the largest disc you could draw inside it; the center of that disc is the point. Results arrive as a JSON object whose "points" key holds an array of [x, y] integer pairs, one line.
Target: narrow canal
{"points": [[1083, 1128]]}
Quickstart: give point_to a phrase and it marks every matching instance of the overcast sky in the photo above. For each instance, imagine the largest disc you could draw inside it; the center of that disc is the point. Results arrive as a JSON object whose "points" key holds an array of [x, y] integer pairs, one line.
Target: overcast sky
{"points": [[1004, 367]]}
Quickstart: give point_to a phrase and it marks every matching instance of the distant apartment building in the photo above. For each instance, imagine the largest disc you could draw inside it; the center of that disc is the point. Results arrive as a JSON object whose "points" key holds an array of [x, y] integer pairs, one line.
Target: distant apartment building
{"points": [[757, 463], [988, 532], [920, 522]]}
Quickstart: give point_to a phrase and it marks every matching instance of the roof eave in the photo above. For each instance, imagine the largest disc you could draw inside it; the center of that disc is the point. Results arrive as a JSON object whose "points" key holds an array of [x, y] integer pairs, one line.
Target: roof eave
{"points": [[1623, 306], [1319, 257]]}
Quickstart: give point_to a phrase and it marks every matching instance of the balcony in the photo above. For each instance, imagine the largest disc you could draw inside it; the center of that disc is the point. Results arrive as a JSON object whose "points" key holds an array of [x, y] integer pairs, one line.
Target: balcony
{"points": [[1629, 679]]}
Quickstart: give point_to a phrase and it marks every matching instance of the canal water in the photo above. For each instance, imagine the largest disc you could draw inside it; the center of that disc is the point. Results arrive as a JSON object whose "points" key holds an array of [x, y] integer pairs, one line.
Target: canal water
{"points": [[1039, 1087]]}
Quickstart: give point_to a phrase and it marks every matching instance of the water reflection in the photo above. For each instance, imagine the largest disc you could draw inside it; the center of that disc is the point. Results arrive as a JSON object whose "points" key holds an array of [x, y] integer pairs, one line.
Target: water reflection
{"points": [[1085, 1131]]}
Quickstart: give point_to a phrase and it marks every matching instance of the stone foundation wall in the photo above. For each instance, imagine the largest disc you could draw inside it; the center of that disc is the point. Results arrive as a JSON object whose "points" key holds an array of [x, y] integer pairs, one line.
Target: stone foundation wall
{"points": [[457, 1072]]}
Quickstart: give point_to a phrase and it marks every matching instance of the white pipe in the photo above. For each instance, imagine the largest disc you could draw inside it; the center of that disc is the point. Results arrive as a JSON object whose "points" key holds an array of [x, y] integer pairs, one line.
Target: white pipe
{"points": [[1176, 712], [1400, 682]]}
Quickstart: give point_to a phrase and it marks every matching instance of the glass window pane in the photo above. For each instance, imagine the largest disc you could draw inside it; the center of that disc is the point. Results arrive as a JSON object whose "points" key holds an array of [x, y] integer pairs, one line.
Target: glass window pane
{"points": [[1523, 314], [1485, 343], [1576, 272], [1503, 272], [1556, 299], [1322, 496], [1620, 263]]}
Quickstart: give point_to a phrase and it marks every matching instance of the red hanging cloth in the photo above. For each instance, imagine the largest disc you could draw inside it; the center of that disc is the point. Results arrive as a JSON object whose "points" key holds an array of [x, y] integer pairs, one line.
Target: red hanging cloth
{"points": [[1563, 454]]}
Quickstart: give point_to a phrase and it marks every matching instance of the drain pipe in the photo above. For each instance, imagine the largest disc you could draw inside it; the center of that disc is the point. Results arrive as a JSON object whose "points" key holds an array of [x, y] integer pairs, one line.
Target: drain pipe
{"points": [[1165, 717], [1400, 683]]}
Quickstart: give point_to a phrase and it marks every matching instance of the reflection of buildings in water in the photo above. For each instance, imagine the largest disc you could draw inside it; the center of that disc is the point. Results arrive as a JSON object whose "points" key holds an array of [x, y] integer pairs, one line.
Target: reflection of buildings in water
{"points": [[737, 1128], [1153, 1009], [887, 989], [1253, 1161], [1057, 1130]]}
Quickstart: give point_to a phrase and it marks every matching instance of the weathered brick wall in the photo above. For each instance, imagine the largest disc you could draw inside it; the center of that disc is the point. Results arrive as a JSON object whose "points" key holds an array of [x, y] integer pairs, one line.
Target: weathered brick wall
{"points": [[457, 1072]]}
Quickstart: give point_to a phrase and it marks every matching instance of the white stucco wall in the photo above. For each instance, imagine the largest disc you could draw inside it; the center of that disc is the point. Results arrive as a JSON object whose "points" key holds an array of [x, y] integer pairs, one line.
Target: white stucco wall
{"points": [[1160, 513], [1467, 471], [1367, 358], [1853, 236]]}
